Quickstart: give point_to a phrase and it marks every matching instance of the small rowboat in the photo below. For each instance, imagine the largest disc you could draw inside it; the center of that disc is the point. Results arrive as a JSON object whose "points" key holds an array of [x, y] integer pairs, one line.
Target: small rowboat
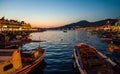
{"points": [[91, 61]]}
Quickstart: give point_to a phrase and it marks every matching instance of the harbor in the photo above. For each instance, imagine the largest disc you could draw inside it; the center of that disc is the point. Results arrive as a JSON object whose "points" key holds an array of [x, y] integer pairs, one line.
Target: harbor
{"points": [[59, 36], [58, 45], [60, 49]]}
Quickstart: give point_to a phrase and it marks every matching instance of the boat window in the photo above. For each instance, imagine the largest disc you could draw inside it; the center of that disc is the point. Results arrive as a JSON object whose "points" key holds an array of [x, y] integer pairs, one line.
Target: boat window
{"points": [[6, 53], [8, 67]]}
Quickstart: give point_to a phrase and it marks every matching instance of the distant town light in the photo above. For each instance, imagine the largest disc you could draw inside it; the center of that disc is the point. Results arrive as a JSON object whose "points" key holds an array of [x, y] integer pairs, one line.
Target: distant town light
{"points": [[5, 26], [20, 28], [10, 29]]}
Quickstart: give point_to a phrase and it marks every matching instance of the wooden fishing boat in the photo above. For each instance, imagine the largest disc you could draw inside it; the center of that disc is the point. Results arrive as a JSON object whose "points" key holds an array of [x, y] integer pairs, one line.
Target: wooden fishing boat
{"points": [[31, 64], [91, 61], [15, 61], [115, 50], [106, 39]]}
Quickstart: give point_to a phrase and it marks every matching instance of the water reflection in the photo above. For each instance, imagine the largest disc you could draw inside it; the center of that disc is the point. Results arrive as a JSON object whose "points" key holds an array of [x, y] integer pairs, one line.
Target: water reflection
{"points": [[39, 68], [59, 47]]}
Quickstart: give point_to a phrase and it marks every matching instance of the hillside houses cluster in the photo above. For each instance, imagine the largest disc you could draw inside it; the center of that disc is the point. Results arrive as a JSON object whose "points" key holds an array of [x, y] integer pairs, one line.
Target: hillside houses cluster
{"points": [[6, 24]]}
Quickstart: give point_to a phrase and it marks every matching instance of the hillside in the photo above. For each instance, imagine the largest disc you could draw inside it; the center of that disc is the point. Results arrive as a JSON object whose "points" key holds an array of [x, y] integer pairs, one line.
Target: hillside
{"points": [[85, 23]]}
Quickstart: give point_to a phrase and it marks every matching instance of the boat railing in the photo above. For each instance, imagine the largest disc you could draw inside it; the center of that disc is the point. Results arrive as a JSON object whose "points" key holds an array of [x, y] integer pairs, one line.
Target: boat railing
{"points": [[77, 62]]}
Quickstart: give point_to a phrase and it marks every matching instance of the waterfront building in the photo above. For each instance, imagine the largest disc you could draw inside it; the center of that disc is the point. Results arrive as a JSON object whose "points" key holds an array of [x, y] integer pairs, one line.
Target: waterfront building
{"points": [[10, 25], [117, 25]]}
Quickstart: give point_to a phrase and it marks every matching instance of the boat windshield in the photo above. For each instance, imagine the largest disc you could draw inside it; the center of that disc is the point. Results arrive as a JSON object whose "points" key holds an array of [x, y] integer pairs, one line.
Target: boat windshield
{"points": [[6, 53]]}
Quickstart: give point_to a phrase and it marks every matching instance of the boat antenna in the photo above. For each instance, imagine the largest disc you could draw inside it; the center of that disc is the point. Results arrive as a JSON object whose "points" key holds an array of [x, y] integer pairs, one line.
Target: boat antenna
{"points": [[39, 42]]}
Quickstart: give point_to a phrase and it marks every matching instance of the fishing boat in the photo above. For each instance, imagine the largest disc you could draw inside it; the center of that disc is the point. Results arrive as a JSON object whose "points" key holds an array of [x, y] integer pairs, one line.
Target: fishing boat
{"points": [[6, 42], [114, 48], [15, 61], [65, 31], [116, 41], [115, 51], [106, 39], [26, 40], [91, 61]]}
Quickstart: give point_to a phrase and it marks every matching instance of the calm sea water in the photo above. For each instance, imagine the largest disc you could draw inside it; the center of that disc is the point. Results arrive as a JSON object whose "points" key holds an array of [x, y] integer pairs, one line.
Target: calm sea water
{"points": [[59, 47]]}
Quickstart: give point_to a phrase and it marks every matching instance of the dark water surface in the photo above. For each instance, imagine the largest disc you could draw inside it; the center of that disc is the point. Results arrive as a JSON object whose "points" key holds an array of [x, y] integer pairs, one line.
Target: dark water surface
{"points": [[59, 47]]}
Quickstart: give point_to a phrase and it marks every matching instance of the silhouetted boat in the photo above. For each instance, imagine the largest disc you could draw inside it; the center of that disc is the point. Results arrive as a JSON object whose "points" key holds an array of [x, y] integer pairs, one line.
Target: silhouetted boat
{"points": [[116, 41], [6, 43], [106, 39], [65, 31], [91, 61], [26, 40]]}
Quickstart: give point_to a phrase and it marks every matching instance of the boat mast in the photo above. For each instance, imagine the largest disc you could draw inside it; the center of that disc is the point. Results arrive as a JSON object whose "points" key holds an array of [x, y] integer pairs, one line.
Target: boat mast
{"points": [[39, 43], [5, 40]]}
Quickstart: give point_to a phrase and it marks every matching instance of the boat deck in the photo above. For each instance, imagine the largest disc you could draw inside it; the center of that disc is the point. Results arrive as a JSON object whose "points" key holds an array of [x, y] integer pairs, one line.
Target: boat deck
{"points": [[93, 63]]}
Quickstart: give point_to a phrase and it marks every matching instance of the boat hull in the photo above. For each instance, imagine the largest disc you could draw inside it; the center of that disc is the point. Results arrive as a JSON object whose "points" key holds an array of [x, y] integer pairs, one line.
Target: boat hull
{"points": [[78, 63], [86, 67]]}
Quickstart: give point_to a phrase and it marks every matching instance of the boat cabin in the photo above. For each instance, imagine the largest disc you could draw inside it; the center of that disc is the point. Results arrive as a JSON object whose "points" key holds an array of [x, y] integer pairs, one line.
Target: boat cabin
{"points": [[29, 56], [10, 60]]}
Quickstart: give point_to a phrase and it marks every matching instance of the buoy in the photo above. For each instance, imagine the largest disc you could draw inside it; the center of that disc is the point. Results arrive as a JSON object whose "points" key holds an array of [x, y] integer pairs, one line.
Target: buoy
{"points": [[72, 56]]}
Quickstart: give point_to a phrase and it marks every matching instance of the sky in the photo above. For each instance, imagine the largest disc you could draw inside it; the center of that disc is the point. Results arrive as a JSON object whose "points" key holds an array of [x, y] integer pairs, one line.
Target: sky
{"points": [[53, 13]]}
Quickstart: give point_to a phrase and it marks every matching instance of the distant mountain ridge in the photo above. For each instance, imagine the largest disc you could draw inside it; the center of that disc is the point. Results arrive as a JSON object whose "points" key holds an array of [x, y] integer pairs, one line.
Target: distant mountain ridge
{"points": [[85, 23]]}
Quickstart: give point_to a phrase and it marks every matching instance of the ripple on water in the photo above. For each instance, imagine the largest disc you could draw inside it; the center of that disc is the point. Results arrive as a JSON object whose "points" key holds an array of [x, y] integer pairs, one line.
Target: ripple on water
{"points": [[59, 47]]}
